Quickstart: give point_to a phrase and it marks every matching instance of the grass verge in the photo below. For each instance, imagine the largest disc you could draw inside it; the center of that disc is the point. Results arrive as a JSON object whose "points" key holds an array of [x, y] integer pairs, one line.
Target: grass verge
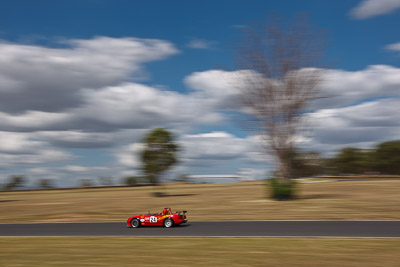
{"points": [[350, 200], [98, 251]]}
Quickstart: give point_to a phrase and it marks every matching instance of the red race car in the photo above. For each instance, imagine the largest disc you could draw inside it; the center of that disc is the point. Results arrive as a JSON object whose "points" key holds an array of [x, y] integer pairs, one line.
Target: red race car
{"points": [[166, 218]]}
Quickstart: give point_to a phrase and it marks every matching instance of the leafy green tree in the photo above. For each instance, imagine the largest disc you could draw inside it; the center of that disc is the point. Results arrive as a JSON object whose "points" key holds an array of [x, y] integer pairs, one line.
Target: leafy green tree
{"points": [[15, 182], [159, 154], [130, 180], [45, 183], [352, 160], [387, 157]]}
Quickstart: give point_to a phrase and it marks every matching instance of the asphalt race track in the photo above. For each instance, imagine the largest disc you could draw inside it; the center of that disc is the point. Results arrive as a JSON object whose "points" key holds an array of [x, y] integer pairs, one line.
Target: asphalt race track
{"points": [[213, 229]]}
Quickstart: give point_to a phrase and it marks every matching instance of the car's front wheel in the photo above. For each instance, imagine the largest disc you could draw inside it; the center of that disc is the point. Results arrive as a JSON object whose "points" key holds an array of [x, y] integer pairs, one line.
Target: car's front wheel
{"points": [[135, 223], [168, 223]]}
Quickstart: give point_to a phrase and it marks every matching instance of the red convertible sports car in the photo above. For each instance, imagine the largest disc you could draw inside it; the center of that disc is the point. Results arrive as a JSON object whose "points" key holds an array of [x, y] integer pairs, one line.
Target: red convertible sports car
{"points": [[166, 218]]}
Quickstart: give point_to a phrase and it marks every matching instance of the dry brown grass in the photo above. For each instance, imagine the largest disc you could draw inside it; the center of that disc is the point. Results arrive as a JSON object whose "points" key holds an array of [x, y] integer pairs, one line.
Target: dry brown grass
{"points": [[97, 251], [355, 200]]}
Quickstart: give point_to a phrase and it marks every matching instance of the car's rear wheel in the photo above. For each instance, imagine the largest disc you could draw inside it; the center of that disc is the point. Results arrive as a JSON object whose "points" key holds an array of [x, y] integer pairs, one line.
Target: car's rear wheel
{"points": [[135, 223], [168, 223]]}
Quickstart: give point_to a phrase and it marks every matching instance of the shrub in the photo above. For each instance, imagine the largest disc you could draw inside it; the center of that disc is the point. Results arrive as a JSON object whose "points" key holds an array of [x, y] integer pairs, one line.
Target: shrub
{"points": [[131, 180], [15, 181], [45, 183], [85, 182], [282, 190]]}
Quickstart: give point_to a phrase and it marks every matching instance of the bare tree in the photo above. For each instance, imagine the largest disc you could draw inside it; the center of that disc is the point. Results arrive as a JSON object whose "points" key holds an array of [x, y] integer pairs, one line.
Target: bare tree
{"points": [[279, 82]]}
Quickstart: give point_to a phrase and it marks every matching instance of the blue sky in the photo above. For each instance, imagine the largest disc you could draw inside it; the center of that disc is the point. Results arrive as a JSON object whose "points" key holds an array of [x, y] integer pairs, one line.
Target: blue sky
{"points": [[83, 81]]}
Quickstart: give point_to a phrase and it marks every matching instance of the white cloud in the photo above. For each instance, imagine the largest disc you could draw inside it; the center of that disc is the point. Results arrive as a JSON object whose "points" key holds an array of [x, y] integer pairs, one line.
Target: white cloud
{"points": [[126, 106], [46, 155], [82, 96], [50, 79], [371, 8], [35, 120], [80, 139], [201, 44], [71, 175], [360, 108], [77, 139], [342, 88], [209, 152], [83, 169], [393, 47], [249, 174], [18, 143], [211, 135], [20, 150], [220, 146], [75, 168], [138, 106], [217, 87], [79, 97], [219, 153], [338, 87], [23, 148], [363, 125], [129, 156]]}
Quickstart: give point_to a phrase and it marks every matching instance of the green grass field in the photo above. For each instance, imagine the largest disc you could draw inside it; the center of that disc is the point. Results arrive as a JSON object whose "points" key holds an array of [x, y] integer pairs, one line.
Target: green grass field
{"points": [[97, 251], [352, 200]]}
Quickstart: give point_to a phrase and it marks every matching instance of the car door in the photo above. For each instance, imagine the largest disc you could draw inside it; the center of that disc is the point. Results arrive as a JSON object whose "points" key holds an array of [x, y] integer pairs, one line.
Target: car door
{"points": [[153, 219]]}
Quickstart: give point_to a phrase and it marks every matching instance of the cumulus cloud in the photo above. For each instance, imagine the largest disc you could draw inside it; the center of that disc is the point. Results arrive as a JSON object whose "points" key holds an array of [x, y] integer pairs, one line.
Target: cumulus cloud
{"points": [[220, 146], [50, 79], [83, 96], [18, 143], [201, 149], [129, 156], [35, 120], [19, 149], [371, 8], [361, 125], [126, 106], [393, 47], [71, 175], [77, 139], [338, 87], [357, 107], [221, 153], [214, 145], [217, 87], [201, 44], [341, 88], [83, 169], [138, 106], [209, 153], [81, 139], [42, 94]]}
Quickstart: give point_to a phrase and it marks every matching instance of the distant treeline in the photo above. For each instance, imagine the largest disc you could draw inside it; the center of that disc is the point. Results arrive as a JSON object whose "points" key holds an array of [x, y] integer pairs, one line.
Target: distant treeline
{"points": [[383, 159]]}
